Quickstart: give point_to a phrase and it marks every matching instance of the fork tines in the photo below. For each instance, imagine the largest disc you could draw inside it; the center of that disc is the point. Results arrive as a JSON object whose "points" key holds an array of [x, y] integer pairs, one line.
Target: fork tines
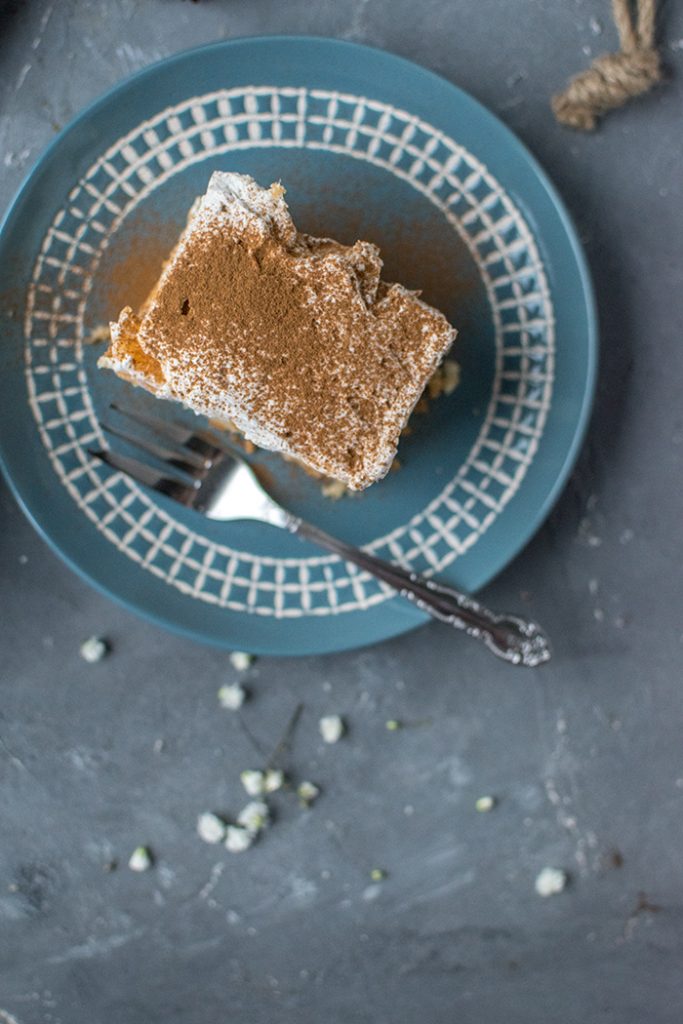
{"points": [[145, 474], [181, 458], [192, 453], [201, 441]]}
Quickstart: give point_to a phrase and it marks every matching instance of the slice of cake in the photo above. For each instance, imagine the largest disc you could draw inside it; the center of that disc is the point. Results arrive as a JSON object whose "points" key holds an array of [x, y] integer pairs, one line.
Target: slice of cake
{"points": [[294, 340]]}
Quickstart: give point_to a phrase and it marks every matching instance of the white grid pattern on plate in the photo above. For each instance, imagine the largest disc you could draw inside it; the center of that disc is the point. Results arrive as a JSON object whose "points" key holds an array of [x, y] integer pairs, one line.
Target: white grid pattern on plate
{"points": [[452, 179]]}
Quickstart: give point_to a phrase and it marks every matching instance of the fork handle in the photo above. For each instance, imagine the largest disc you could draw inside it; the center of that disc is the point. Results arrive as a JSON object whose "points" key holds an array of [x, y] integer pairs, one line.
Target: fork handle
{"points": [[515, 640]]}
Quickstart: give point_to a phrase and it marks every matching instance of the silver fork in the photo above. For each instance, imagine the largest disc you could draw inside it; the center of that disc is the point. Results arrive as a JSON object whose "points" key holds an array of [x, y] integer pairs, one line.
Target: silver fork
{"points": [[204, 473]]}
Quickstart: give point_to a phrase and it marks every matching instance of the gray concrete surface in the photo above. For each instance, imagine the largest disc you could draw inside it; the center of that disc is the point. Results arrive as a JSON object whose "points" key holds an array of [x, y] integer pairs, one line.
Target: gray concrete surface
{"points": [[585, 757]]}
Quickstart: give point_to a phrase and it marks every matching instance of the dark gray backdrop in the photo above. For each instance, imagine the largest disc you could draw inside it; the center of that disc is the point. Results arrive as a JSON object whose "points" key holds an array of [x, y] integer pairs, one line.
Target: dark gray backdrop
{"points": [[586, 756]]}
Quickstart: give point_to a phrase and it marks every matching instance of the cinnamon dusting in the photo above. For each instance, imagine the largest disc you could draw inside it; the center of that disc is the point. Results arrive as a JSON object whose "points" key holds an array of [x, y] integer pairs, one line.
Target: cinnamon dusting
{"points": [[295, 334]]}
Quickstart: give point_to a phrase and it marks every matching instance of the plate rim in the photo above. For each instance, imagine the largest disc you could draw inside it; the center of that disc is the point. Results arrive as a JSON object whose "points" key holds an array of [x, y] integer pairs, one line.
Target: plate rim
{"points": [[401, 624]]}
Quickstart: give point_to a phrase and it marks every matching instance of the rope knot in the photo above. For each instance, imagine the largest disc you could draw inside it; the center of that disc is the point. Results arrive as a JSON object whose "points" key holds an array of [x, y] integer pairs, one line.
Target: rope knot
{"points": [[613, 78]]}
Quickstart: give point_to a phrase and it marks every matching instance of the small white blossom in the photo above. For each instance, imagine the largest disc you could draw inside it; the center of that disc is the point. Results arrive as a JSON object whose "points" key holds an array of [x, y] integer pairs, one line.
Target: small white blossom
{"points": [[331, 728], [485, 803], [140, 859], [551, 881], [307, 792], [232, 696], [94, 649], [237, 839], [241, 661], [210, 828], [254, 817], [273, 780], [253, 781]]}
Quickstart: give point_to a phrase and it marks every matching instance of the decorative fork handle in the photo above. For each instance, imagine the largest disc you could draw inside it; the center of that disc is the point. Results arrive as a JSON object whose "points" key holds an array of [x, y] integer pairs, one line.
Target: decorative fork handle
{"points": [[511, 638]]}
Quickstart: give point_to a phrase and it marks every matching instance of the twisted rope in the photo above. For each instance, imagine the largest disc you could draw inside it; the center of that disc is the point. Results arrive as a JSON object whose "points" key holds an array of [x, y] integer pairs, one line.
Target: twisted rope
{"points": [[614, 78]]}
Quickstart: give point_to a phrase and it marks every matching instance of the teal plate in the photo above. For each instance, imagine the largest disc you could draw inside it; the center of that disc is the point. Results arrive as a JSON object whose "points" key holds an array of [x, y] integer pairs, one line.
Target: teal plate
{"points": [[368, 146]]}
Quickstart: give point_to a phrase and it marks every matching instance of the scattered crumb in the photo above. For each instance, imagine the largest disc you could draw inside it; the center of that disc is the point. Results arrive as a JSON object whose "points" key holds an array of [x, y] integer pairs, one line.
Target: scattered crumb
{"points": [[241, 661], [445, 379], [307, 792], [254, 782], [98, 335], [409, 810], [232, 696], [334, 489], [140, 859], [514, 79], [598, 615], [615, 859], [586, 535], [593, 587], [595, 26], [485, 803], [644, 905], [254, 817], [626, 536], [109, 866], [210, 827], [94, 649], [551, 881], [331, 728], [238, 839], [371, 892], [392, 725], [23, 559], [378, 874], [158, 745], [273, 780]]}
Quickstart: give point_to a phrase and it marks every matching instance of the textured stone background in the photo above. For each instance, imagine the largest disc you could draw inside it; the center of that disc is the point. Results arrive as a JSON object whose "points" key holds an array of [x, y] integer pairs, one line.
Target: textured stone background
{"points": [[586, 756]]}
